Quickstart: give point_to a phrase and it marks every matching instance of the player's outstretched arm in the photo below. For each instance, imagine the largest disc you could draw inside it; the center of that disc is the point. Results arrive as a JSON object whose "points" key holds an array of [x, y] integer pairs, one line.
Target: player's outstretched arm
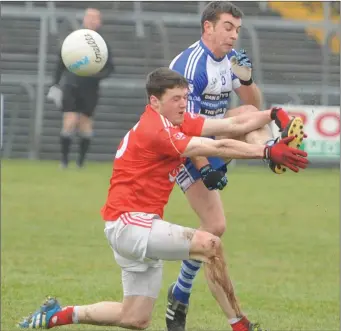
{"points": [[237, 126], [279, 153], [224, 148]]}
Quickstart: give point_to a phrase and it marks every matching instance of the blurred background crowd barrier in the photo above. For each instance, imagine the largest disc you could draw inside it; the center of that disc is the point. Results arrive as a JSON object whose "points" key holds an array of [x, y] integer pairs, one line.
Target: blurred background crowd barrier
{"points": [[294, 47]]}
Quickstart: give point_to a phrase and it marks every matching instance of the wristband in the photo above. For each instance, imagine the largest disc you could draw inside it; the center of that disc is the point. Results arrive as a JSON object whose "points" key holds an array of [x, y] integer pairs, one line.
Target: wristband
{"points": [[246, 82]]}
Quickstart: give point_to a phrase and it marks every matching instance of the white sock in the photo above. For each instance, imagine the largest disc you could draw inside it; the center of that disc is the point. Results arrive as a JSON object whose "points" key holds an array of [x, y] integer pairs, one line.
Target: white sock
{"points": [[234, 320], [271, 142], [75, 315]]}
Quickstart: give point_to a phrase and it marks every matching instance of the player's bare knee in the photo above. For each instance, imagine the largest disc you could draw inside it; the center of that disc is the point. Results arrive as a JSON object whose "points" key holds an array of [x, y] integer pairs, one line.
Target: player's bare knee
{"points": [[212, 246], [135, 322], [85, 122], [205, 244], [133, 317], [215, 223], [69, 127], [218, 228], [140, 324], [70, 122]]}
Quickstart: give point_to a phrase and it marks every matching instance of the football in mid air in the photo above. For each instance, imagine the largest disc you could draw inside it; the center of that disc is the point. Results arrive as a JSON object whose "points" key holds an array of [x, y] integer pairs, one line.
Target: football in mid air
{"points": [[84, 52]]}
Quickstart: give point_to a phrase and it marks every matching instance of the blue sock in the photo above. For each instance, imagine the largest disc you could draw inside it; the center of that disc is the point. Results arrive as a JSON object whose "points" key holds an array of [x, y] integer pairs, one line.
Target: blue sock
{"points": [[183, 286]]}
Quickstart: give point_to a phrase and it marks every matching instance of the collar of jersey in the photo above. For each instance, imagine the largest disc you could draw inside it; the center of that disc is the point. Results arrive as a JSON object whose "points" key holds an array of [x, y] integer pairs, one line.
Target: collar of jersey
{"points": [[150, 108], [216, 59], [165, 121]]}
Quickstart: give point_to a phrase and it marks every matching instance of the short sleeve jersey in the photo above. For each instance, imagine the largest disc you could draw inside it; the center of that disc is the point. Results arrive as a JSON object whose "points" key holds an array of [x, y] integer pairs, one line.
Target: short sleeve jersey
{"points": [[146, 164], [211, 83], [211, 80]]}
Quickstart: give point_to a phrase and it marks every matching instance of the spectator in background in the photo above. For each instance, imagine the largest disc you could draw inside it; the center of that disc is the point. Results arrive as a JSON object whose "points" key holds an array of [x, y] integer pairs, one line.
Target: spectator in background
{"points": [[77, 98]]}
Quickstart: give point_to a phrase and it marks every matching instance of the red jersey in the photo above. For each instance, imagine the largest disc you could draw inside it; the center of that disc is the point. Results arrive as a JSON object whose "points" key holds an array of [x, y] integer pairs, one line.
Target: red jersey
{"points": [[146, 164]]}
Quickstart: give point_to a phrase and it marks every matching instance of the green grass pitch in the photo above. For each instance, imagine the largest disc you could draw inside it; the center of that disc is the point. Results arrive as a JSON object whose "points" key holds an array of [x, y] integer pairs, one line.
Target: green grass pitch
{"points": [[282, 244]]}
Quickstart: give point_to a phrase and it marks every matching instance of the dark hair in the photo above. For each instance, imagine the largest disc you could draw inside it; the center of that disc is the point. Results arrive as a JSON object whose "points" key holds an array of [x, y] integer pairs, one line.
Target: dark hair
{"points": [[214, 9], [161, 79]]}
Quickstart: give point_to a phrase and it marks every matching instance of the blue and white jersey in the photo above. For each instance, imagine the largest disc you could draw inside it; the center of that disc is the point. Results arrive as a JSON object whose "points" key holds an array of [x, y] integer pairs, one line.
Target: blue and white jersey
{"points": [[210, 80], [210, 83]]}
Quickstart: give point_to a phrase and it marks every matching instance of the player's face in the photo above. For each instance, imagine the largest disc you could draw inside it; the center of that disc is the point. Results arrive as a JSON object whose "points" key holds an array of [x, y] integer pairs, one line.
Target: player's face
{"points": [[173, 104], [92, 19], [224, 34]]}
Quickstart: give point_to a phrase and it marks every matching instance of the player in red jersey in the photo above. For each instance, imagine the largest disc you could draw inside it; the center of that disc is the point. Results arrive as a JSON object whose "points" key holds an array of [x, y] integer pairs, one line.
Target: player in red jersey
{"points": [[145, 167]]}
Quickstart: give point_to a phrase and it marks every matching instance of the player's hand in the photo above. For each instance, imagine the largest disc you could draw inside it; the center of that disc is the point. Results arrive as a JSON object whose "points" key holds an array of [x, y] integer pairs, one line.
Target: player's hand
{"points": [[55, 94], [281, 153], [281, 117], [241, 66], [213, 179]]}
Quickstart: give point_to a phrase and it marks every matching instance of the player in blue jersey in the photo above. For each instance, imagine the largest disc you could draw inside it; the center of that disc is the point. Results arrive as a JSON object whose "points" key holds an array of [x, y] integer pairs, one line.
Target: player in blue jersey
{"points": [[214, 70]]}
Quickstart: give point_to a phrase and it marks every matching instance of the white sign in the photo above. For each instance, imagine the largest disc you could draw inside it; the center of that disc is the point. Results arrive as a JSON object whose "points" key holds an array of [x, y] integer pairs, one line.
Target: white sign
{"points": [[322, 125]]}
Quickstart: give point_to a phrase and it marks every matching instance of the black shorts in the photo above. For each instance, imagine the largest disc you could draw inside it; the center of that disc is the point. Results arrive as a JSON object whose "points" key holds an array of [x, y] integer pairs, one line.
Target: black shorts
{"points": [[78, 100]]}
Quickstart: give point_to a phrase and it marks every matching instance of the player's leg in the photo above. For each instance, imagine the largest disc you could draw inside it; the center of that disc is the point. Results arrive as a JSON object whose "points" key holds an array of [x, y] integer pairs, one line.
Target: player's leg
{"points": [[258, 137], [263, 136], [70, 123], [171, 242], [85, 135], [87, 104], [209, 249], [209, 208], [141, 280], [141, 285], [134, 312], [143, 241]]}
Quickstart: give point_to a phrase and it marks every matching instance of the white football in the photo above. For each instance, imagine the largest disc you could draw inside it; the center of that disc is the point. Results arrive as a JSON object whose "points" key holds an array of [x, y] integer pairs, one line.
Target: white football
{"points": [[84, 52]]}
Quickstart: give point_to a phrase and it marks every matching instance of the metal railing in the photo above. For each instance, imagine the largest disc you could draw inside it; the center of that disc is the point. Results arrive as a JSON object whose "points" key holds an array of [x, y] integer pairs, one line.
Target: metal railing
{"points": [[2, 109], [49, 16], [26, 86]]}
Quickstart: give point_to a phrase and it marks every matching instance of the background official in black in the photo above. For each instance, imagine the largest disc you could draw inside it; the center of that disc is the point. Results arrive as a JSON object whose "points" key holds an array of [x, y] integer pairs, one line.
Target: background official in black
{"points": [[77, 97]]}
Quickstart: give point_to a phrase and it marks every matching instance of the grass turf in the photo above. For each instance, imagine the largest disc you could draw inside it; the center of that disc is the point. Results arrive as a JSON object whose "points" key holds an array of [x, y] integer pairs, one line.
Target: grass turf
{"points": [[282, 243]]}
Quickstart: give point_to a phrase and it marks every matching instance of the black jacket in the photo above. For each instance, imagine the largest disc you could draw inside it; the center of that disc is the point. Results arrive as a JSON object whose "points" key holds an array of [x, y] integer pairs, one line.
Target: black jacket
{"points": [[64, 77]]}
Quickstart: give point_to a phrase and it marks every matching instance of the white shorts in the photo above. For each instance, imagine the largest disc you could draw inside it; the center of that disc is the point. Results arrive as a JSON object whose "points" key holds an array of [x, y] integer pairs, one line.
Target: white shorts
{"points": [[140, 242]]}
